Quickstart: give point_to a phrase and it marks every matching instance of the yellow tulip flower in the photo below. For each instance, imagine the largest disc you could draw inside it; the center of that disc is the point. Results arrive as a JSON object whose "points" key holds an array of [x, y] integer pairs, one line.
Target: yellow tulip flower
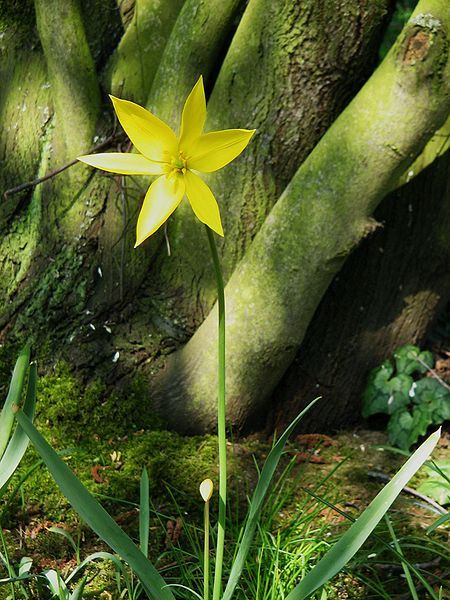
{"points": [[175, 160]]}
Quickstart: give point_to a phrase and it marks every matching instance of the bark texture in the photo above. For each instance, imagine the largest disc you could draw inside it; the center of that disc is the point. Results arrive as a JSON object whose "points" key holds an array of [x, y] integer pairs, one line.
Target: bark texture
{"points": [[322, 215], [386, 295], [282, 76]]}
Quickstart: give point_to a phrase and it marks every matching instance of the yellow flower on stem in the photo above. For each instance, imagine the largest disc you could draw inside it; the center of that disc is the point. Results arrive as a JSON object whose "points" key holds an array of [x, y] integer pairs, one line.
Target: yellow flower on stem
{"points": [[175, 160]]}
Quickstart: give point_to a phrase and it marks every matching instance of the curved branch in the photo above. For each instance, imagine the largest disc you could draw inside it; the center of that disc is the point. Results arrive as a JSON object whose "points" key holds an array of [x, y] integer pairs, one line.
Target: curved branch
{"points": [[322, 215], [193, 49], [75, 88], [132, 67], [288, 83]]}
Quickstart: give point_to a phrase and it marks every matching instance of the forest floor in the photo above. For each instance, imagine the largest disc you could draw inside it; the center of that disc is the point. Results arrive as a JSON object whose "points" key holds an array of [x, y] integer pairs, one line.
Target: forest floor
{"points": [[323, 482], [339, 469]]}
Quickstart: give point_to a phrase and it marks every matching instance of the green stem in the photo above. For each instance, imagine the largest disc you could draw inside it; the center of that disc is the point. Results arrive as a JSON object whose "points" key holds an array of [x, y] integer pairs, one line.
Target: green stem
{"points": [[206, 554], [220, 421]]}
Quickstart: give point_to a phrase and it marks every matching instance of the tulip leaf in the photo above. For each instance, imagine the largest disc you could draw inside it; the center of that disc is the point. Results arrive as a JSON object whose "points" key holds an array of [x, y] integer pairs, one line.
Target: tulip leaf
{"points": [[347, 546], [13, 397], [257, 500], [95, 515], [19, 442]]}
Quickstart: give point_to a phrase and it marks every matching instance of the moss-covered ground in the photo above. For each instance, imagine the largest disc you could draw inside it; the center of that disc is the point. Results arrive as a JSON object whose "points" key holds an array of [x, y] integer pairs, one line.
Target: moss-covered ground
{"points": [[107, 440]]}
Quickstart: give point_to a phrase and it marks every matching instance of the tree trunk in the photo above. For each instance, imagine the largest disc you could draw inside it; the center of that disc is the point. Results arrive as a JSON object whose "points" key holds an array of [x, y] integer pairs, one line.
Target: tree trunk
{"points": [[386, 295], [322, 215], [69, 277]]}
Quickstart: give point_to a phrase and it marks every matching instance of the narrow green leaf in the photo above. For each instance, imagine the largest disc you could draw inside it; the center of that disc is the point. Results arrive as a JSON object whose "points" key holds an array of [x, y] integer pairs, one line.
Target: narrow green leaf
{"points": [[438, 522], [405, 567], [96, 556], [56, 584], [256, 504], [144, 513], [13, 397], [19, 441], [16, 579], [336, 558], [77, 593], [95, 515], [65, 534]]}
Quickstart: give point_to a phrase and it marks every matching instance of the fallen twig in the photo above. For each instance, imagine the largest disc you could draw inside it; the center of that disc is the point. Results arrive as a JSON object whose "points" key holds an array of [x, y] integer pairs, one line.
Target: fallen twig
{"points": [[383, 477]]}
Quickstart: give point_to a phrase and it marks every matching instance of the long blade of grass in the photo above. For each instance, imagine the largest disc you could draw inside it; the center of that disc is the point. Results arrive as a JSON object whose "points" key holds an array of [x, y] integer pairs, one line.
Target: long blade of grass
{"points": [[336, 558], [95, 515], [406, 571], [380, 539], [144, 513], [19, 441], [65, 534], [254, 510], [77, 593], [13, 397], [96, 556], [438, 523]]}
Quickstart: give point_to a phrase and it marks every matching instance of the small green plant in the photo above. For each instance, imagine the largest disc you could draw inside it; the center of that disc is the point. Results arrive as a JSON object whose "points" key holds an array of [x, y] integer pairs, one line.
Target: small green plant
{"points": [[412, 401]]}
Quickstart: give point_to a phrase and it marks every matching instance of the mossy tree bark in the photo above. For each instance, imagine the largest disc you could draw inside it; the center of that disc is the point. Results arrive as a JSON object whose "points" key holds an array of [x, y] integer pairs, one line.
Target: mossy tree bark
{"points": [[69, 276]]}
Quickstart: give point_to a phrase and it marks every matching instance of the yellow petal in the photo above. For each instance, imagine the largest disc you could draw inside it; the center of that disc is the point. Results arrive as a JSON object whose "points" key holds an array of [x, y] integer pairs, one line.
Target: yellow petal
{"points": [[203, 202], [151, 136], [162, 198], [216, 149], [123, 163], [193, 117], [206, 489]]}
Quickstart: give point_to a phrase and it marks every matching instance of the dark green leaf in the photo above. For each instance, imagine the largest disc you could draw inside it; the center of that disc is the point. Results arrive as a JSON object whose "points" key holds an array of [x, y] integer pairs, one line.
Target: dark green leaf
{"points": [[431, 391], [376, 393], [256, 503], [19, 441], [399, 428], [399, 388], [421, 415], [406, 360], [14, 395]]}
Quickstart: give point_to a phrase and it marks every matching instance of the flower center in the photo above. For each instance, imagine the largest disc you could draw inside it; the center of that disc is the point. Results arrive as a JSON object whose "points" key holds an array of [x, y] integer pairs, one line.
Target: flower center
{"points": [[178, 162]]}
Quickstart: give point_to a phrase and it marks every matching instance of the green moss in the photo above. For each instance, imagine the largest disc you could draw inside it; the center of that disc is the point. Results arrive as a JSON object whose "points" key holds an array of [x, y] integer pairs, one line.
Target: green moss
{"points": [[175, 465], [103, 441], [172, 462], [72, 411]]}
